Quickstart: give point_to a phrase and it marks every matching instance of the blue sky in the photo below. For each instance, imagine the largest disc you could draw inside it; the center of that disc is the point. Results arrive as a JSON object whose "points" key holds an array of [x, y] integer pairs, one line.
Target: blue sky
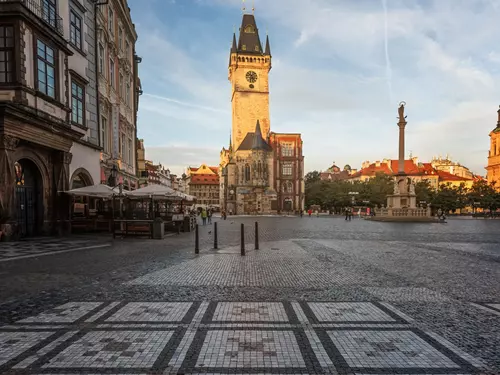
{"points": [[340, 68]]}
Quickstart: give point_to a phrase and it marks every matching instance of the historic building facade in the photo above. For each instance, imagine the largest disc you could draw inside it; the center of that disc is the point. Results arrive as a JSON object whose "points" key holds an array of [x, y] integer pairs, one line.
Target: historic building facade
{"points": [[493, 168], [203, 183], [260, 171], [119, 87], [48, 125]]}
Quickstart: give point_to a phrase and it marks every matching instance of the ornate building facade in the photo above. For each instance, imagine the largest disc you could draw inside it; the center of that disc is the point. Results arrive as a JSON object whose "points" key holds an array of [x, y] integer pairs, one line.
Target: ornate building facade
{"points": [[493, 168], [260, 171], [119, 88], [203, 183], [48, 124]]}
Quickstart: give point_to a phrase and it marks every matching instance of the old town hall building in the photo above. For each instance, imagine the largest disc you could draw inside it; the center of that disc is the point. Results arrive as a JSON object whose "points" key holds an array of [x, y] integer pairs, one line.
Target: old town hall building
{"points": [[261, 171]]}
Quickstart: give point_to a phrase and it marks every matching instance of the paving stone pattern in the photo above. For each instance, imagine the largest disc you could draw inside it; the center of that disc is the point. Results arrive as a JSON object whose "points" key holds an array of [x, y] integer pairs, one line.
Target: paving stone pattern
{"points": [[189, 337], [320, 296]]}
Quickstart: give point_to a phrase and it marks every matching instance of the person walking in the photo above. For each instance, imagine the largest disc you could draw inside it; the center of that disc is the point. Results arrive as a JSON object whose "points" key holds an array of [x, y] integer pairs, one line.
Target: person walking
{"points": [[209, 215], [204, 216]]}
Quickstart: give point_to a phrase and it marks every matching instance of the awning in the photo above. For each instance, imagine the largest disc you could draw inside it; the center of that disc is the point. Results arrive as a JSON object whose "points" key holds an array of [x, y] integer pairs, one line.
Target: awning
{"points": [[97, 191]]}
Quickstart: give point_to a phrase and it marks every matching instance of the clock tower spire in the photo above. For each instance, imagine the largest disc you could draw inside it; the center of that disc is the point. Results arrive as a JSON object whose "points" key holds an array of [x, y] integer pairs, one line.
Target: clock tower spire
{"points": [[249, 66]]}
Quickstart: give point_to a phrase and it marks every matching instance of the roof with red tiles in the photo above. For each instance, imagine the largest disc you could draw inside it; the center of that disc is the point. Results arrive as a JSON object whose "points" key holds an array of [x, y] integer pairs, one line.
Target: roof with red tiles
{"points": [[204, 179], [446, 176]]}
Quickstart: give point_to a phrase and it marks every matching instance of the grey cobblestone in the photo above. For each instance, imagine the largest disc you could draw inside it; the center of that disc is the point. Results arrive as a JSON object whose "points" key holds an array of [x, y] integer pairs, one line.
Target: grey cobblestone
{"points": [[439, 282]]}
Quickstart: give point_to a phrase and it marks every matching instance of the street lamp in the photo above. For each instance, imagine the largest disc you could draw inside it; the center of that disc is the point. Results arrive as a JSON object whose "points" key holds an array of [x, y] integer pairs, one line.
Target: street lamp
{"points": [[112, 176], [353, 194]]}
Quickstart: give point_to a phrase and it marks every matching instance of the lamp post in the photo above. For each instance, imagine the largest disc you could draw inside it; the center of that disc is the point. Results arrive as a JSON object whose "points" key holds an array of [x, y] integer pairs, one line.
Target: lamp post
{"points": [[353, 194]]}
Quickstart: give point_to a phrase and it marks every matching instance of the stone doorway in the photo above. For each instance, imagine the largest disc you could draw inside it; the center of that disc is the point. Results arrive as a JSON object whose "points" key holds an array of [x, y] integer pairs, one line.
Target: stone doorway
{"points": [[29, 198]]}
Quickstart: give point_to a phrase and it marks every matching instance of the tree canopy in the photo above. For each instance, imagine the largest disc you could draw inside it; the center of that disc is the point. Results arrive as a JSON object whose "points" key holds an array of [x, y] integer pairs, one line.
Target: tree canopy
{"points": [[334, 195]]}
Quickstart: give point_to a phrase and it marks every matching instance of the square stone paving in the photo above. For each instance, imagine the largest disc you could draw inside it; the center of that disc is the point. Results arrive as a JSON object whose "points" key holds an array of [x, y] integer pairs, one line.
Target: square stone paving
{"points": [[348, 312], [123, 349], [151, 312], [387, 349], [250, 312], [13, 344], [67, 313], [250, 349]]}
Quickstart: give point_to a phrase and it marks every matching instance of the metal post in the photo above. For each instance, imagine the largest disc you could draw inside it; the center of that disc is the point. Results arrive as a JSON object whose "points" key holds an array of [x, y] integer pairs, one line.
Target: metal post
{"points": [[242, 239], [256, 235], [197, 241], [215, 236]]}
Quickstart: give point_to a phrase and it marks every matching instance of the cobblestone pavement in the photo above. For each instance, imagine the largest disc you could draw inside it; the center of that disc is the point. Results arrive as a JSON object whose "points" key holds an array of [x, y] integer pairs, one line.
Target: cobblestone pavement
{"points": [[46, 246], [321, 295]]}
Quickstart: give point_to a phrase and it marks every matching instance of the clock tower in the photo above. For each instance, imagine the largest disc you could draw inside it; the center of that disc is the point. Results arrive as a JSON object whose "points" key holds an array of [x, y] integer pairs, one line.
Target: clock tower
{"points": [[249, 67]]}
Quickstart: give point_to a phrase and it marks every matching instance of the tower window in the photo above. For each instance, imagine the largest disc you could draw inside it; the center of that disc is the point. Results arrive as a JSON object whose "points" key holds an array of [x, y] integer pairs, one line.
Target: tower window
{"points": [[244, 47], [249, 29], [257, 48]]}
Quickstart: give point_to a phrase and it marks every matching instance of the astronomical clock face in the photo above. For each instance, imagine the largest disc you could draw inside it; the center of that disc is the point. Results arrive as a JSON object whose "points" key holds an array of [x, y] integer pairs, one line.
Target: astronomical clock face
{"points": [[251, 76]]}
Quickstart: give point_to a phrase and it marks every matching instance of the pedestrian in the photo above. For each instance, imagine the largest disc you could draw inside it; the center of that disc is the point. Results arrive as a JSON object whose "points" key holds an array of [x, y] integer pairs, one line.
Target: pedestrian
{"points": [[209, 215], [204, 216], [309, 211], [301, 212]]}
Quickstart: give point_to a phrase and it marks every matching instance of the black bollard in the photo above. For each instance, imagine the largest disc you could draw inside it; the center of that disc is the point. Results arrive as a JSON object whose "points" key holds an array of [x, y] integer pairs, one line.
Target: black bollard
{"points": [[242, 239], [197, 241], [215, 236], [256, 235]]}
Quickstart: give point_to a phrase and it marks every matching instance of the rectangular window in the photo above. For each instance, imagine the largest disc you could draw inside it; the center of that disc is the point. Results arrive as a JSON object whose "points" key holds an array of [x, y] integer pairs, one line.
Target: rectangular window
{"points": [[124, 145], [120, 83], [101, 59], [77, 103], [287, 149], [127, 93], [104, 134], [127, 50], [112, 72], [120, 38], [287, 169], [49, 12], [6, 54], [130, 149], [46, 68], [111, 21], [75, 29]]}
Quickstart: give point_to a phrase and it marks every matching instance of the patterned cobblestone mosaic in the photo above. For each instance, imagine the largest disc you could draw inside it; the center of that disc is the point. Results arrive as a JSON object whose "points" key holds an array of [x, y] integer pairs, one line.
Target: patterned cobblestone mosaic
{"points": [[227, 338]]}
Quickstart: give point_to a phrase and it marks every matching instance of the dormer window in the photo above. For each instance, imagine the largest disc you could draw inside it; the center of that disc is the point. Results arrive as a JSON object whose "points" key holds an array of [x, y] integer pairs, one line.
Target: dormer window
{"points": [[249, 29]]}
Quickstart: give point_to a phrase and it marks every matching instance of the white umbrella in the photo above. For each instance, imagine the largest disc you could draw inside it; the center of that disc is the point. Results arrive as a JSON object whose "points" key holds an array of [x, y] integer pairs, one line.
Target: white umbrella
{"points": [[98, 191], [153, 191]]}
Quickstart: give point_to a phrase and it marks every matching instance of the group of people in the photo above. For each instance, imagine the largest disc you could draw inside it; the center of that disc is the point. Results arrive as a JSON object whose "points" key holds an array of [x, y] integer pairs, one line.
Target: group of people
{"points": [[206, 215]]}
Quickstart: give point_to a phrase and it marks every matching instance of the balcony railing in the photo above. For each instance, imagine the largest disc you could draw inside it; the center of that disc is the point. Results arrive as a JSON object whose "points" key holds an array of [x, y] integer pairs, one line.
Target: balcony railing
{"points": [[45, 11]]}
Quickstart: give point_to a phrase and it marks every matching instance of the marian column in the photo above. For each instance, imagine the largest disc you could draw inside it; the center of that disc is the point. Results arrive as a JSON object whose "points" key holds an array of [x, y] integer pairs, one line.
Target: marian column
{"points": [[401, 124]]}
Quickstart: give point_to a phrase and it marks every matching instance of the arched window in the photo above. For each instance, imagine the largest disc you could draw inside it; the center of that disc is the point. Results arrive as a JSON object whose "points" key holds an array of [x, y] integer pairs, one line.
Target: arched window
{"points": [[287, 187], [247, 172], [249, 29]]}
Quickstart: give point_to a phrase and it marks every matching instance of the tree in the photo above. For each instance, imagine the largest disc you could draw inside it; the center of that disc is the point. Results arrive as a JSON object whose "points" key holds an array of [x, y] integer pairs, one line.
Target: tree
{"points": [[378, 188], [312, 177], [484, 195]]}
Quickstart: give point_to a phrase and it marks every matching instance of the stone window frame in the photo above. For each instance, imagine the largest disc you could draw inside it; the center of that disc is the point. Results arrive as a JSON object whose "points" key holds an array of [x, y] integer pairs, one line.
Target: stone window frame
{"points": [[8, 77], [101, 58], [75, 29], [287, 149], [78, 82], [287, 169], [120, 38], [55, 65], [112, 68], [111, 20]]}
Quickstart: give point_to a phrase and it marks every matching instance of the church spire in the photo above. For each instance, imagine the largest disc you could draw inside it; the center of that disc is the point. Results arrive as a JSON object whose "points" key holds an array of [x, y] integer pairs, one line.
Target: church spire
{"points": [[230, 142], [258, 142], [233, 47], [267, 51], [249, 41]]}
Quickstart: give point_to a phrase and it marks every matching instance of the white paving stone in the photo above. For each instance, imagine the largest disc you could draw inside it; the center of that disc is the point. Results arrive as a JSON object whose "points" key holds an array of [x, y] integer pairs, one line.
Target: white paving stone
{"points": [[388, 349], [151, 312], [250, 349], [13, 344], [250, 312], [123, 349], [348, 312], [67, 313]]}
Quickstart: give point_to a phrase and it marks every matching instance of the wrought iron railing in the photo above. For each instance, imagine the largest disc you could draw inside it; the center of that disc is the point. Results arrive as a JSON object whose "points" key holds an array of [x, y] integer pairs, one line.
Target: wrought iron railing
{"points": [[45, 10]]}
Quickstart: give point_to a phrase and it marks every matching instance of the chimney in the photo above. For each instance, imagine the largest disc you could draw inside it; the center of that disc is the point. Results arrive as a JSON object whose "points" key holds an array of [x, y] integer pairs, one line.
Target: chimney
{"points": [[377, 163]]}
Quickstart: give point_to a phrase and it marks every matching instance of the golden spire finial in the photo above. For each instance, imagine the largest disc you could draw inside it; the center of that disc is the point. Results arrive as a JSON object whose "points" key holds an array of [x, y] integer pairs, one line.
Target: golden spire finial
{"points": [[243, 6], [253, 6]]}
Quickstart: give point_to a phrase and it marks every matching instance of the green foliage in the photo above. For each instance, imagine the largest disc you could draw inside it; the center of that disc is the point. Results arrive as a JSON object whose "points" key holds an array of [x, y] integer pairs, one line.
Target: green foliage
{"points": [[334, 195], [311, 177]]}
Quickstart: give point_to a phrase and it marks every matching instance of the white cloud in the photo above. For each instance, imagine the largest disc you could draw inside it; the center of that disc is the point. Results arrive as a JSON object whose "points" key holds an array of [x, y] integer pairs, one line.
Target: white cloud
{"points": [[339, 73]]}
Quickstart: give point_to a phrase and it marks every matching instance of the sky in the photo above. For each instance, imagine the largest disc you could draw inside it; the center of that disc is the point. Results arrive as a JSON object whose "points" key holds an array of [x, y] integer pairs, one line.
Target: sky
{"points": [[339, 70]]}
